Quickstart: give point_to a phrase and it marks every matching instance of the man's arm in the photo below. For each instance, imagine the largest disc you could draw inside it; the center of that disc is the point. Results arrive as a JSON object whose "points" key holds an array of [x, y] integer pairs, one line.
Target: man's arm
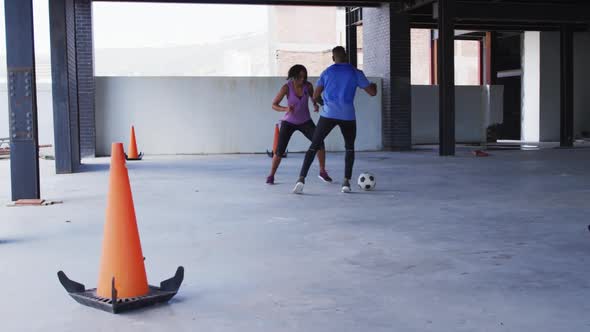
{"points": [[317, 95], [311, 92], [371, 89], [363, 83]]}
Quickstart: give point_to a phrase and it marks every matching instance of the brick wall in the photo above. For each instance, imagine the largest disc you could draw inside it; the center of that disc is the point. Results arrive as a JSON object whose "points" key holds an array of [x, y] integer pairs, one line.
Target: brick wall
{"points": [[387, 55], [85, 77], [72, 85]]}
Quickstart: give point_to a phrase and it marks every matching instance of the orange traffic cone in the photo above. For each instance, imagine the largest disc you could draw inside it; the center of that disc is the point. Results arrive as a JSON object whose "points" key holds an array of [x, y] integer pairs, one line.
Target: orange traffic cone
{"points": [[133, 155], [122, 281], [121, 249], [275, 144]]}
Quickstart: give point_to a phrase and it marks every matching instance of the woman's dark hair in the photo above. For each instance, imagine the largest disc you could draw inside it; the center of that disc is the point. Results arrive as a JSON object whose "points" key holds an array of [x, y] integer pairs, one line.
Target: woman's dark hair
{"points": [[294, 72]]}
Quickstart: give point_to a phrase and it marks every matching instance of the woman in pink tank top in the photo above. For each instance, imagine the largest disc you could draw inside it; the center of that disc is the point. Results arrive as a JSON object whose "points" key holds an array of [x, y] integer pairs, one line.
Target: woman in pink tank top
{"points": [[297, 118]]}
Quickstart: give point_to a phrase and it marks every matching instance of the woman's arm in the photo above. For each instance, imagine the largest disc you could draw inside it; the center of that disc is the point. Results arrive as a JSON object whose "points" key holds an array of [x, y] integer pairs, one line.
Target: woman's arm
{"points": [[277, 101]]}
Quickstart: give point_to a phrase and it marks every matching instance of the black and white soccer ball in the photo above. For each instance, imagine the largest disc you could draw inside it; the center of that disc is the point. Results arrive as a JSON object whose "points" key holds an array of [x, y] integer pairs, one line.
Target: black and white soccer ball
{"points": [[367, 181]]}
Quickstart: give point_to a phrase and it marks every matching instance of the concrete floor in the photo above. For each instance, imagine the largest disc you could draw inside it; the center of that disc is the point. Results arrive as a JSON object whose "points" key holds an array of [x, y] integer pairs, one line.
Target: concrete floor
{"points": [[444, 244]]}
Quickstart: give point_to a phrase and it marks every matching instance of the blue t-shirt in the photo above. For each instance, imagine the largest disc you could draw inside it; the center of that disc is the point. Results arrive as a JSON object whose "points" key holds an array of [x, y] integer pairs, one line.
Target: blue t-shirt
{"points": [[340, 81]]}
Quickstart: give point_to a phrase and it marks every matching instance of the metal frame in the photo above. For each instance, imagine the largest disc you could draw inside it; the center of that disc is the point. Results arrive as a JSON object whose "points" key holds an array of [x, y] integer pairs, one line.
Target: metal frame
{"points": [[324, 3], [351, 36], [356, 15], [523, 12], [489, 69], [498, 15], [433, 59]]}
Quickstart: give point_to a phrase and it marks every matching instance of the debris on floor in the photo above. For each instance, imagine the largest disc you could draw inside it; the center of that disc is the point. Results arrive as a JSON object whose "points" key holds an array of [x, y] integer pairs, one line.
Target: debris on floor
{"points": [[33, 202], [5, 150], [480, 153]]}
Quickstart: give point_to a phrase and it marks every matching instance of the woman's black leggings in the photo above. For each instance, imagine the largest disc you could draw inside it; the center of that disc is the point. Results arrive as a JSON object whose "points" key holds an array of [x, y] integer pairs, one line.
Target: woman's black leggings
{"points": [[323, 128], [287, 129]]}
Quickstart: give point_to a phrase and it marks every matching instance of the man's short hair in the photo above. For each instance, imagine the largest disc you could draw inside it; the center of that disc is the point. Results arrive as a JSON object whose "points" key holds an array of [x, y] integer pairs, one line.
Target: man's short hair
{"points": [[339, 53]]}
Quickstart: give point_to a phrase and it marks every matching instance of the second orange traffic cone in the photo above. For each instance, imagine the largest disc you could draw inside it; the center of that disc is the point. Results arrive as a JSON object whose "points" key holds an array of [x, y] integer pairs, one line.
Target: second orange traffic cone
{"points": [[133, 155], [275, 144]]}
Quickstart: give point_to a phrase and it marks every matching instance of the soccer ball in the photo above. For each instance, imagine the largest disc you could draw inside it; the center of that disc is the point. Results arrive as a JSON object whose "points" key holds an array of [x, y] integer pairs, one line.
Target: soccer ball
{"points": [[367, 181]]}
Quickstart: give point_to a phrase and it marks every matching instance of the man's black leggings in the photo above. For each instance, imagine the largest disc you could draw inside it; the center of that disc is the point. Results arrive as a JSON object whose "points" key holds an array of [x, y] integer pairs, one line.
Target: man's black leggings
{"points": [[323, 128]]}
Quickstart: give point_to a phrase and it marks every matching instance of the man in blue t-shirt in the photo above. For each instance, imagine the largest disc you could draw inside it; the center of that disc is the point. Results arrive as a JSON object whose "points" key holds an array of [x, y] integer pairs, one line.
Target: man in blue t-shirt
{"points": [[336, 89]]}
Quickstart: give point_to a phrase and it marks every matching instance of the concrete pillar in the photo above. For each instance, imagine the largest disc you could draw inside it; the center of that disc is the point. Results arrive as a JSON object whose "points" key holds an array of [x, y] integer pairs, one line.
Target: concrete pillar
{"points": [[566, 86], [85, 69], [540, 87], [72, 67], [22, 99], [581, 74], [446, 76], [386, 51], [64, 86]]}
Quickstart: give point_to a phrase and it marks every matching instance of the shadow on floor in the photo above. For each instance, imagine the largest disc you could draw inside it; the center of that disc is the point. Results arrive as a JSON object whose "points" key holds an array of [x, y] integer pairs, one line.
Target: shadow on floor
{"points": [[4, 241], [88, 168]]}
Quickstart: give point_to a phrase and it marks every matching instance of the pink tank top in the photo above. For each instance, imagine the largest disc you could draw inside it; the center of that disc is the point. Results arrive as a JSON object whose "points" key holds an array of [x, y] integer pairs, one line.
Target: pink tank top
{"points": [[300, 104]]}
